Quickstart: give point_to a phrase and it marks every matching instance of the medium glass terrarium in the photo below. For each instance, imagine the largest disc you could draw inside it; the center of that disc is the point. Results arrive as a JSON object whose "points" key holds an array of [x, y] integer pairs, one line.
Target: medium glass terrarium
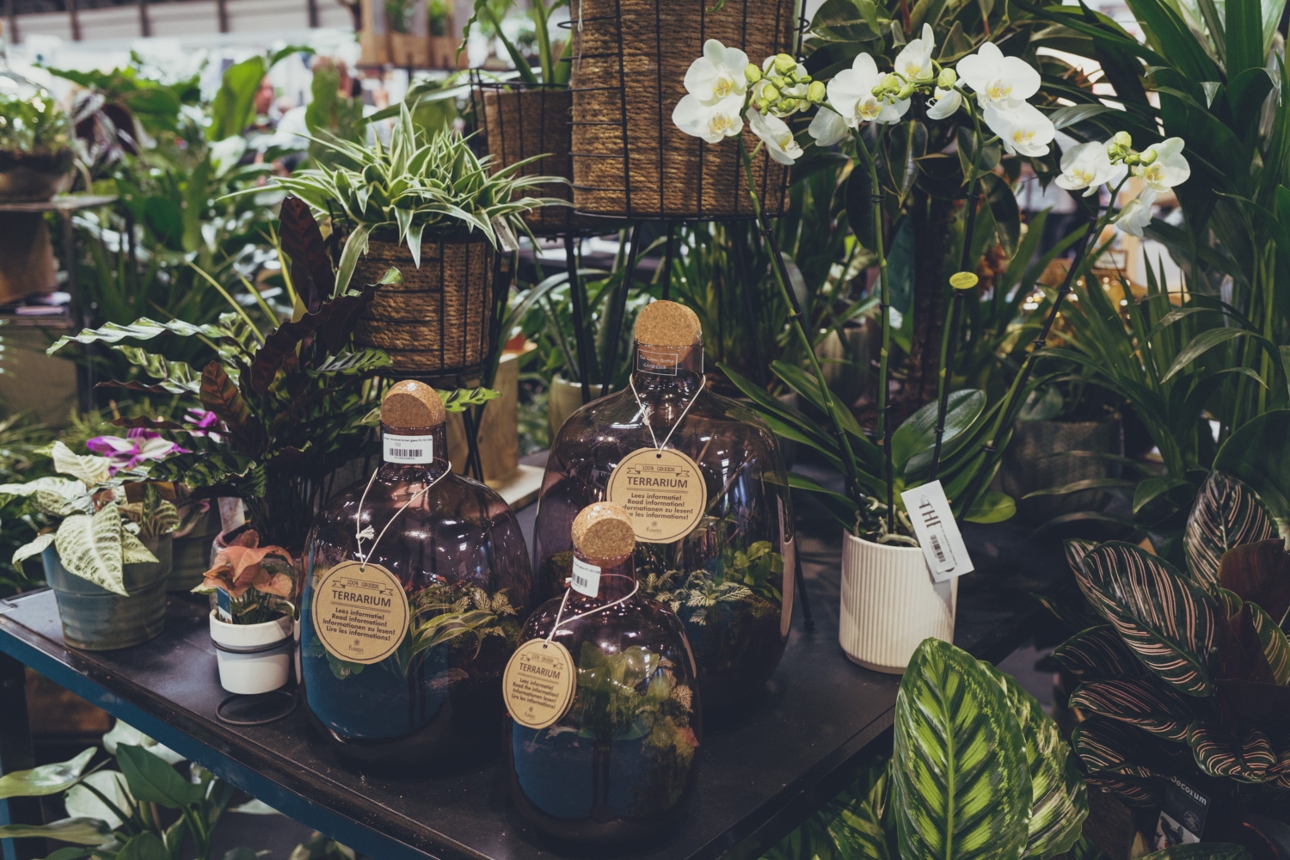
{"points": [[704, 482], [417, 584], [603, 746]]}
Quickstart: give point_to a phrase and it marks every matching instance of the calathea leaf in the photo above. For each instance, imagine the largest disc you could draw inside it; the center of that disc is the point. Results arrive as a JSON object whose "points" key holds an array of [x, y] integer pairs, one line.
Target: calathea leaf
{"points": [[1227, 514], [960, 782], [1276, 648], [311, 272], [1146, 703], [1076, 549], [340, 315], [1165, 619], [1248, 758], [90, 547], [359, 363], [140, 329], [46, 779], [1240, 652], [1114, 748], [220, 395], [1059, 800], [1098, 653], [175, 377], [1259, 573], [862, 826], [1258, 453]]}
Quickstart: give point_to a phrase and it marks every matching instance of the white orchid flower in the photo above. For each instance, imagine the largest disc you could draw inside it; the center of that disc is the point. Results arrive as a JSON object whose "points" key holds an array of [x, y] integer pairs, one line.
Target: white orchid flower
{"points": [[851, 95], [713, 123], [999, 81], [827, 128], [1023, 130], [1088, 166], [718, 74], [1167, 166], [915, 60], [777, 136], [1136, 214], [944, 103]]}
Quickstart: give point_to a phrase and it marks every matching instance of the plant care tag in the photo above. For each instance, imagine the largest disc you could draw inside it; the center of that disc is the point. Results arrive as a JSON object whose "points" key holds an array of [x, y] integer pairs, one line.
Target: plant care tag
{"points": [[506, 241], [1182, 816], [409, 450], [224, 605], [360, 612], [964, 280], [662, 491], [538, 683], [937, 532], [586, 577]]}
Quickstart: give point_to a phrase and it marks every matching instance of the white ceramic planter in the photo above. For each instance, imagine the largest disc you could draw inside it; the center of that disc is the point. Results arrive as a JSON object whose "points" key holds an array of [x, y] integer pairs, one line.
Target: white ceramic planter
{"points": [[890, 604], [253, 658], [563, 399]]}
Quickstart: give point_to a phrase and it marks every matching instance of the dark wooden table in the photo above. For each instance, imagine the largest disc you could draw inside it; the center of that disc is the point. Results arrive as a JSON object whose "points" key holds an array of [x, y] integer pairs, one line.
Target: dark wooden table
{"points": [[821, 721]]}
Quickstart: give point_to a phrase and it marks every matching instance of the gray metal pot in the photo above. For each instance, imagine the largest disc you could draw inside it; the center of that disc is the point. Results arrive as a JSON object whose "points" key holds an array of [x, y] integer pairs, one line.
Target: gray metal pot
{"points": [[95, 619], [1039, 458], [192, 553]]}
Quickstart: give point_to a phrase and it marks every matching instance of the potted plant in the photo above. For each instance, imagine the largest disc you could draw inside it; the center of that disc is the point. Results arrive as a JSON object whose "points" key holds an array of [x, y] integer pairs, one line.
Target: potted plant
{"points": [[252, 621], [429, 207], [409, 33], [106, 557], [35, 141]]}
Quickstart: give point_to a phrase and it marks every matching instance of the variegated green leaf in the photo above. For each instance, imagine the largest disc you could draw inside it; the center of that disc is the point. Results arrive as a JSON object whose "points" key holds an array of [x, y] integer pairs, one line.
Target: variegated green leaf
{"points": [[89, 468], [863, 827], [353, 363], [175, 377], [133, 550], [1159, 613], [1098, 653], [1201, 851], [35, 548], [1146, 703], [46, 779], [1229, 602], [1112, 748], [1059, 800], [140, 329], [1076, 549], [1275, 645], [961, 786], [1227, 514], [90, 547], [1246, 759], [1258, 453]]}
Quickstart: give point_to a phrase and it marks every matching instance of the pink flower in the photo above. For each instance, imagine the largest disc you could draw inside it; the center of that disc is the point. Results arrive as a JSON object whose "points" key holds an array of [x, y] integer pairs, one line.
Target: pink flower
{"points": [[139, 446]]}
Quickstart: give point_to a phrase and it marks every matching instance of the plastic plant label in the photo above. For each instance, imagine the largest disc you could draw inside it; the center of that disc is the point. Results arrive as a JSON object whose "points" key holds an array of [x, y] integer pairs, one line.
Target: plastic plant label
{"points": [[658, 362], [964, 280], [937, 532], [506, 241], [538, 683], [407, 450], [223, 605], [586, 577], [1182, 816], [662, 491], [360, 612]]}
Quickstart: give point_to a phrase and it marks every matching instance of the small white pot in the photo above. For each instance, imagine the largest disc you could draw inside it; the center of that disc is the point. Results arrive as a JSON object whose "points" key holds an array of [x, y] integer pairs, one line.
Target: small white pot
{"points": [[253, 658], [563, 399], [890, 604]]}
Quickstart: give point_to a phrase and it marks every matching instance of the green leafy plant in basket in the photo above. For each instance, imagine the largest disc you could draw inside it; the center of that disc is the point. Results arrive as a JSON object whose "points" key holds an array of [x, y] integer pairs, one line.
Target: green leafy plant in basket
{"points": [[553, 68]]}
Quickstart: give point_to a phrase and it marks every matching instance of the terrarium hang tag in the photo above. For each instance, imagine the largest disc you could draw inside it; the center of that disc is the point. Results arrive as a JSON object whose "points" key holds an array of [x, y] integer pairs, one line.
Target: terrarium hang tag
{"points": [[937, 532], [538, 683], [360, 612]]}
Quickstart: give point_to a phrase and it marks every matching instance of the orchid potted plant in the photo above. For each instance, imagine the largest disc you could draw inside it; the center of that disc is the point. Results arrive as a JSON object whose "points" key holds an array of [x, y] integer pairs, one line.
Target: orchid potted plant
{"points": [[105, 544], [252, 616], [958, 439]]}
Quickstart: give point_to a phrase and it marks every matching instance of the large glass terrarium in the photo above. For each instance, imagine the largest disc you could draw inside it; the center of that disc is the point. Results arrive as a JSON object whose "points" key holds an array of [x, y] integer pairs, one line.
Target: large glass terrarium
{"points": [[417, 584], [604, 726], [704, 482]]}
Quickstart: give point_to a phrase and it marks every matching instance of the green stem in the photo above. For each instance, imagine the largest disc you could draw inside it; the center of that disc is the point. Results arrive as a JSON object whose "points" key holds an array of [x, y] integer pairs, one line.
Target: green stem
{"points": [[795, 319]]}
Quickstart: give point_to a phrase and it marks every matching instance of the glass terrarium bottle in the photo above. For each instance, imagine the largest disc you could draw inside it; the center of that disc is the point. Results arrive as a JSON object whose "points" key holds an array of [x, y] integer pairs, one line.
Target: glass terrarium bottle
{"points": [[603, 725], [417, 584], [704, 483]]}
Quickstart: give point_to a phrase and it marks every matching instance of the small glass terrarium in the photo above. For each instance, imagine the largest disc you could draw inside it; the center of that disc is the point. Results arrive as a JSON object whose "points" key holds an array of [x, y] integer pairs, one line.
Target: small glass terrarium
{"points": [[704, 483], [417, 584], [603, 726]]}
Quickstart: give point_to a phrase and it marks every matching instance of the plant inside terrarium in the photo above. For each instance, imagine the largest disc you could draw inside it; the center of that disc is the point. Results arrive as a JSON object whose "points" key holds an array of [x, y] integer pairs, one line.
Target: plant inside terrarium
{"points": [[33, 123]]}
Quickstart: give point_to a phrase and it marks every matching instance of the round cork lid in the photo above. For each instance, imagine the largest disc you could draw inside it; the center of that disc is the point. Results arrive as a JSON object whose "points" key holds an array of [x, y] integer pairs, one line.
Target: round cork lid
{"points": [[604, 530], [665, 323], [411, 405]]}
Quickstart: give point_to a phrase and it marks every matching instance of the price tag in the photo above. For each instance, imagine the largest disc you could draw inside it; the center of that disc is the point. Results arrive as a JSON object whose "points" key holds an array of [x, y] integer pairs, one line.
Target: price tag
{"points": [[586, 577], [964, 280], [937, 532], [410, 450]]}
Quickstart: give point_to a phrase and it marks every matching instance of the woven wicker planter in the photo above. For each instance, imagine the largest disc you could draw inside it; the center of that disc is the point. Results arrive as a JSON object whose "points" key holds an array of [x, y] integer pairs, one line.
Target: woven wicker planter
{"points": [[629, 158], [438, 321], [521, 122]]}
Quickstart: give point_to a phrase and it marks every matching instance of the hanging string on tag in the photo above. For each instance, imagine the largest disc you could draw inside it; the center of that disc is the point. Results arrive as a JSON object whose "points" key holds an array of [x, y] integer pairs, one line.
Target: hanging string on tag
{"points": [[565, 602], [645, 417], [361, 533]]}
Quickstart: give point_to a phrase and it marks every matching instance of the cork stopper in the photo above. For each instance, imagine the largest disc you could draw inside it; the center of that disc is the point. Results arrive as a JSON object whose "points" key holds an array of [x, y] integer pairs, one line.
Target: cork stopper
{"points": [[665, 323], [413, 406], [603, 530]]}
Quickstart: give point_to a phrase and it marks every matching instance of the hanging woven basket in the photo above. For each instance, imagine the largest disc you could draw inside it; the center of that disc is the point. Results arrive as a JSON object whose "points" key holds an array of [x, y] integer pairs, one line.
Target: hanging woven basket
{"points": [[439, 321], [521, 120], [629, 158]]}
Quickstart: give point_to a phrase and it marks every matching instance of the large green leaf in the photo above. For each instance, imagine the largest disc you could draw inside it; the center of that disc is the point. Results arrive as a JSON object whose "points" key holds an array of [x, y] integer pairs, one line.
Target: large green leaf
{"points": [[154, 781], [78, 831], [175, 376], [918, 432], [1059, 799], [1165, 619], [141, 329], [1227, 513], [234, 104], [863, 826], [961, 785], [1144, 702], [145, 846], [90, 547], [1258, 453], [46, 779]]}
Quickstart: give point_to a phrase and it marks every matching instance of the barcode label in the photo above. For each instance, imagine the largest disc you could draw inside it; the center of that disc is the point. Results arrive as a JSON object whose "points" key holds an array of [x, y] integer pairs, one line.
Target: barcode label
{"points": [[937, 532], [407, 449], [586, 578], [936, 548]]}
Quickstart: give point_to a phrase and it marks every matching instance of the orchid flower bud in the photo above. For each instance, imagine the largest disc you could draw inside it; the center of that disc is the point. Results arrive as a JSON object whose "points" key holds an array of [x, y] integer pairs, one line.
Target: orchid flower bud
{"points": [[785, 64], [816, 92], [752, 73], [1123, 138], [946, 78]]}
